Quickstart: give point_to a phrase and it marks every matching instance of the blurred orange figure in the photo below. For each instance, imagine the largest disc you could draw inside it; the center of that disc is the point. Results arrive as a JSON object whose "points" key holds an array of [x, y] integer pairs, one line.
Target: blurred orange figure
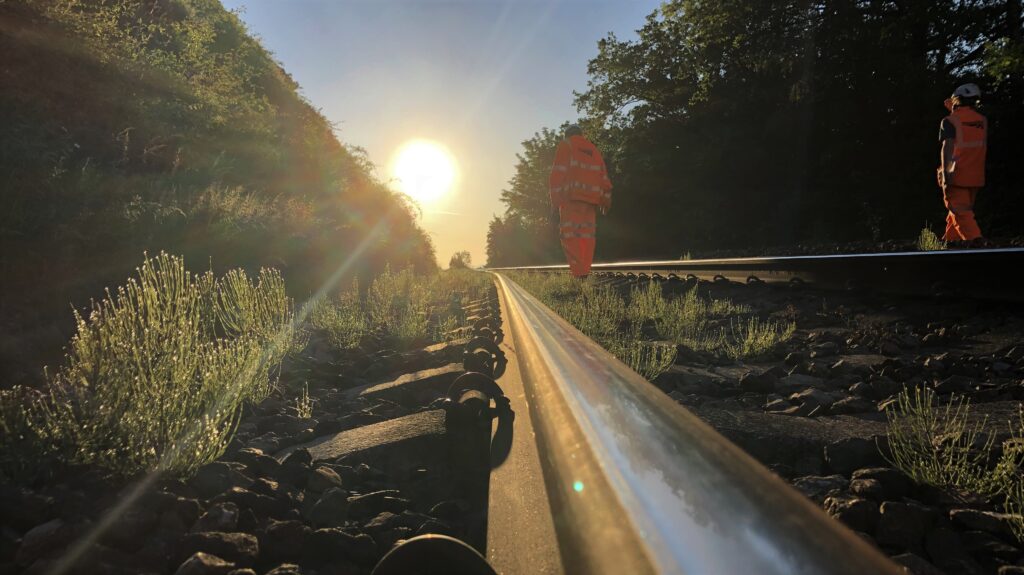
{"points": [[578, 186], [961, 172]]}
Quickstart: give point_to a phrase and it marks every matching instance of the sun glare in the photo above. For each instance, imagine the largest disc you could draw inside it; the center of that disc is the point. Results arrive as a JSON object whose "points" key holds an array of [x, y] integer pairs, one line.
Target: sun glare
{"points": [[424, 169]]}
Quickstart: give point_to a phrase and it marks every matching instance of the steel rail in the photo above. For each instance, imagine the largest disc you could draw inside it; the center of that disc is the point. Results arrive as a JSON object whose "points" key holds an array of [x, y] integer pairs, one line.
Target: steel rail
{"points": [[979, 274], [638, 484]]}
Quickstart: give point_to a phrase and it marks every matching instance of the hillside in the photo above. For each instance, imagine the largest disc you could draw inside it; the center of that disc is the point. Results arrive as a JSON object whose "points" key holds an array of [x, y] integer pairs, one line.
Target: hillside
{"points": [[148, 125]]}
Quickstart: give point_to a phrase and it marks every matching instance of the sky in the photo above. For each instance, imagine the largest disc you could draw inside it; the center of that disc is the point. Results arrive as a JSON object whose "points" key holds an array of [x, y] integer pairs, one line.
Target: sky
{"points": [[477, 76]]}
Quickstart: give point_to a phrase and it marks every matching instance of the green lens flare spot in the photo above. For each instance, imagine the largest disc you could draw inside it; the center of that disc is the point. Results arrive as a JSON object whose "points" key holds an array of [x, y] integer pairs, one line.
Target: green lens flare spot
{"points": [[577, 486]]}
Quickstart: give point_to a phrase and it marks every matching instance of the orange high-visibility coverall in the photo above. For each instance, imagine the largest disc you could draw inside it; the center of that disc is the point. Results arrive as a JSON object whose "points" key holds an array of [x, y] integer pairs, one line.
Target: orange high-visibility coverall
{"points": [[578, 185], [968, 173]]}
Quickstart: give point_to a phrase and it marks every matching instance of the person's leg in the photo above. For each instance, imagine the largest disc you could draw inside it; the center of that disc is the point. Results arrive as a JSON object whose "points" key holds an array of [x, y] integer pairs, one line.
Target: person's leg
{"points": [[975, 229], [951, 234], [587, 237], [960, 202], [570, 238]]}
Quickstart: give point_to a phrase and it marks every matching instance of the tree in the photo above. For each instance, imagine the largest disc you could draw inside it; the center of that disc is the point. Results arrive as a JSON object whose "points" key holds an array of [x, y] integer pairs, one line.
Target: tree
{"points": [[526, 233], [739, 123], [744, 124], [460, 260]]}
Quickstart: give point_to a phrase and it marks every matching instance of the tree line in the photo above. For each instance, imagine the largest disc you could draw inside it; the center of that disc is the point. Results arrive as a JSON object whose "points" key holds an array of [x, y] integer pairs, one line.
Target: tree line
{"points": [[741, 124], [149, 125]]}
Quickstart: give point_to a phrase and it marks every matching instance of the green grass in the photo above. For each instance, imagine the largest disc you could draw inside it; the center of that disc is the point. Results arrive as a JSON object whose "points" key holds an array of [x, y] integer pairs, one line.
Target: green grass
{"points": [[341, 318], [135, 125], [939, 446], [927, 241], [304, 403], [402, 308], [642, 327], [158, 371]]}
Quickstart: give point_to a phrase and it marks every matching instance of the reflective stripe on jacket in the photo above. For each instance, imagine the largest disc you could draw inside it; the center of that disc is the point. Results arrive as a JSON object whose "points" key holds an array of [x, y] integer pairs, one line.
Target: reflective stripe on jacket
{"points": [[968, 166], [579, 174]]}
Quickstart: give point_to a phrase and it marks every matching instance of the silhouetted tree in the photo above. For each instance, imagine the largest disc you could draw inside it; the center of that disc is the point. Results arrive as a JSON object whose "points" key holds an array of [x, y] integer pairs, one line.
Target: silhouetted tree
{"points": [[741, 123], [460, 260]]}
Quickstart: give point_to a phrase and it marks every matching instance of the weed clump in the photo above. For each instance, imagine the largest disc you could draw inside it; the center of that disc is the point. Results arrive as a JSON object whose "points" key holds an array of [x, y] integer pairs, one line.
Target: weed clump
{"points": [[936, 445], [939, 446], [401, 308], [927, 241], [643, 328], [157, 372]]}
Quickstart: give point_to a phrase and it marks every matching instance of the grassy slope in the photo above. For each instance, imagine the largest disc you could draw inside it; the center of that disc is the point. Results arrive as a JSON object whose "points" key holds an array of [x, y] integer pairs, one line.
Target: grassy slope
{"points": [[134, 125]]}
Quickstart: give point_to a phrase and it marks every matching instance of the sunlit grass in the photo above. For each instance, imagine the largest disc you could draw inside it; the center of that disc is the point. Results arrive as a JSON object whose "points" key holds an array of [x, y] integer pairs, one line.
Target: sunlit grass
{"points": [[157, 372], [940, 446], [341, 318], [937, 445], [402, 308], [756, 337], [642, 327], [927, 241], [304, 403]]}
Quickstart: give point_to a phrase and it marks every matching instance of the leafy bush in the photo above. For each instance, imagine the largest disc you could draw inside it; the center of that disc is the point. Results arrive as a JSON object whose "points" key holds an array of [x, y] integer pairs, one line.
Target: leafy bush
{"points": [[156, 374]]}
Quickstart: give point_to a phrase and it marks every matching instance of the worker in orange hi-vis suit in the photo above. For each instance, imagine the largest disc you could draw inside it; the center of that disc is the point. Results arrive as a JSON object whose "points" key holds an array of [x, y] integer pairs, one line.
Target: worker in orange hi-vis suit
{"points": [[579, 186], [961, 172]]}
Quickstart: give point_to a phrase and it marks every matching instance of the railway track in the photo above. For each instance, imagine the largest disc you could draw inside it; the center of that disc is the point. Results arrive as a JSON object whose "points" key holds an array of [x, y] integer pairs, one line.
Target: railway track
{"points": [[546, 454], [978, 274], [635, 483], [632, 482]]}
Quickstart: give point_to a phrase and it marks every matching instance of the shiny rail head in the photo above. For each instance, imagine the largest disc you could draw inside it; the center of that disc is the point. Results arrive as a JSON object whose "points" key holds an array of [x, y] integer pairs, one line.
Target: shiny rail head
{"points": [[981, 274], [945, 255], [640, 485]]}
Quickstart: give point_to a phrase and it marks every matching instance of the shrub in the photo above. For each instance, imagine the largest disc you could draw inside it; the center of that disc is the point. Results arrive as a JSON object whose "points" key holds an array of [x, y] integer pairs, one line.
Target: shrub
{"points": [[1008, 476], [927, 241], [397, 307], [156, 374], [341, 318], [756, 337], [937, 445], [403, 308]]}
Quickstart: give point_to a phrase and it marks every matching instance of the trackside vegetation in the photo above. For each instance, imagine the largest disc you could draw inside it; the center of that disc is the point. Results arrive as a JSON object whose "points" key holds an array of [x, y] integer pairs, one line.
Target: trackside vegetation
{"points": [[927, 241], [163, 125], [643, 327], [158, 371], [941, 445], [400, 309], [776, 85]]}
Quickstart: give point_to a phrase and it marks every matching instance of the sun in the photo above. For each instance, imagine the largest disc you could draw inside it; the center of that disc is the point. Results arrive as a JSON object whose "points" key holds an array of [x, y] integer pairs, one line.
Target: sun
{"points": [[424, 170]]}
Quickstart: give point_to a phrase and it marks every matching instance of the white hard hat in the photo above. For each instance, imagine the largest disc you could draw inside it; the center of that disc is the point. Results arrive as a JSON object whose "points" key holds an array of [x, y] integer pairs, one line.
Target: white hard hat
{"points": [[967, 91]]}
